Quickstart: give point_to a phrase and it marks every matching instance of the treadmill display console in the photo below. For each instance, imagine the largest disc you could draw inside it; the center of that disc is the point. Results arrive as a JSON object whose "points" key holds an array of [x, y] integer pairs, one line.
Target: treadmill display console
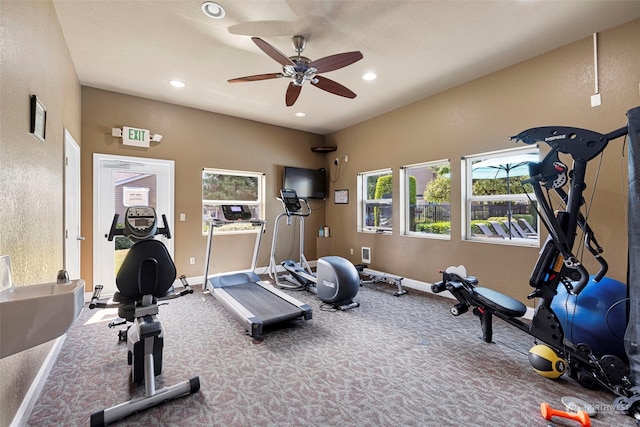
{"points": [[236, 212]]}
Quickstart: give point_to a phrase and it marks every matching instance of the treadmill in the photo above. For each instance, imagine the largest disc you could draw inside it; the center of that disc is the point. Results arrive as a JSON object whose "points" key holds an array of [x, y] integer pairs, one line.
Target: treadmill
{"points": [[253, 302]]}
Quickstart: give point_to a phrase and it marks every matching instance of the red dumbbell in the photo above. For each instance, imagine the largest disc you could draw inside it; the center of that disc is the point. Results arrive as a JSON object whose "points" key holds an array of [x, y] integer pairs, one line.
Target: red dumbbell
{"points": [[581, 416]]}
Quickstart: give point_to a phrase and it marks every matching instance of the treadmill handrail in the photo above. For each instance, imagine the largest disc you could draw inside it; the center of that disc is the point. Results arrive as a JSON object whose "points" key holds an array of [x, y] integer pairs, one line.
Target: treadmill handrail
{"points": [[215, 222]]}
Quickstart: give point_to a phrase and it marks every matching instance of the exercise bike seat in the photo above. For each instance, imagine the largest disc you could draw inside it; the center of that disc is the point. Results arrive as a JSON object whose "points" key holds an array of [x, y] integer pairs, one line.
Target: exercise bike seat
{"points": [[146, 270], [499, 302]]}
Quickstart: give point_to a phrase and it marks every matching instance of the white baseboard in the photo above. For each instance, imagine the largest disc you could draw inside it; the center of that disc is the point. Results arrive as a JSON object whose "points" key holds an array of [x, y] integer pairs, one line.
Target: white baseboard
{"points": [[24, 411]]}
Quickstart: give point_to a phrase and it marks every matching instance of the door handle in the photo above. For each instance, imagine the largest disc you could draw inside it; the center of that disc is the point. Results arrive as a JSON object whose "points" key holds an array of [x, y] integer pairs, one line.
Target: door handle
{"points": [[80, 238]]}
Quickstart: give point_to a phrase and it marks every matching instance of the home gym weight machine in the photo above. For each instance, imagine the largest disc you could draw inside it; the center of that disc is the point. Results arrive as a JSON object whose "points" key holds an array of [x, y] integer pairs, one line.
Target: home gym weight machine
{"points": [[558, 267], [145, 277], [336, 280]]}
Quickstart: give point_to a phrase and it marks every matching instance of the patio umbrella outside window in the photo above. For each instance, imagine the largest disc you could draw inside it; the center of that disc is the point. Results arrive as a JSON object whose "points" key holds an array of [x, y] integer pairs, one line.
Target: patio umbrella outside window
{"points": [[504, 167]]}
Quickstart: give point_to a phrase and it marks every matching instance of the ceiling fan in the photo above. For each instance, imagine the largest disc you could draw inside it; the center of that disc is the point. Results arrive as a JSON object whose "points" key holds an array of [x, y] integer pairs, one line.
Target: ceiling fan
{"points": [[301, 69]]}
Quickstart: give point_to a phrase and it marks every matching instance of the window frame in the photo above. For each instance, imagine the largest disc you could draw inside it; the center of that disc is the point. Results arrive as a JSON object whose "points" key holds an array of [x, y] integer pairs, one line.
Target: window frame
{"points": [[405, 210], [467, 198], [363, 202], [260, 202]]}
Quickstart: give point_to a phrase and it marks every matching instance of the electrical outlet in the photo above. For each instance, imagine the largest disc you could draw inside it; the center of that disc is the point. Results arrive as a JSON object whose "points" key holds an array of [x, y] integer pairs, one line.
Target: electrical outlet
{"points": [[351, 251], [183, 217], [346, 159], [192, 260]]}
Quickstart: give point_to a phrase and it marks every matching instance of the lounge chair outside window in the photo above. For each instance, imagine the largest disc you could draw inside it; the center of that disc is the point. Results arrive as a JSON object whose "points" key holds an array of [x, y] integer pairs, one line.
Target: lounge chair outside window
{"points": [[528, 226], [486, 230], [498, 228], [520, 230]]}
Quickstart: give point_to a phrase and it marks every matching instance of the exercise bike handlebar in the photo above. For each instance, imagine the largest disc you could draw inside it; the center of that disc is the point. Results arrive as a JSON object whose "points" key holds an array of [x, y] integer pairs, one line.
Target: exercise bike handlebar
{"points": [[187, 288], [164, 230], [115, 231], [95, 297]]}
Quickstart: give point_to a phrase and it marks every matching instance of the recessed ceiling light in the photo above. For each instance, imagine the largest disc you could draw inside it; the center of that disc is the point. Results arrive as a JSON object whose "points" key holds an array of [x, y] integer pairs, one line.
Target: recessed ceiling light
{"points": [[213, 10], [300, 114], [369, 76], [177, 83]]}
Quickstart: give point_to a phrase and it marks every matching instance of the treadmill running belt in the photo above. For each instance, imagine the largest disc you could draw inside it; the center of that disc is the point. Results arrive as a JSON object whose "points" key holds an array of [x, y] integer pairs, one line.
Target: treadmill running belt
{"points": [[263, 304]]}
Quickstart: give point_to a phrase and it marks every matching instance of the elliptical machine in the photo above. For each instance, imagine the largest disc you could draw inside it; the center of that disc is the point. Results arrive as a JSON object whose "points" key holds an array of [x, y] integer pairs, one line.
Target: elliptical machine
{"points": [[336, 281], [145, 277], [558, 270]]}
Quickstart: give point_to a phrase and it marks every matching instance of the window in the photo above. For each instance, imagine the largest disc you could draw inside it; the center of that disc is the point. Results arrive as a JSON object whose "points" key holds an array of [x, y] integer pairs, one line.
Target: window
{"points": [[225, 187], [375, 196], [499, 207], [426, 193]]}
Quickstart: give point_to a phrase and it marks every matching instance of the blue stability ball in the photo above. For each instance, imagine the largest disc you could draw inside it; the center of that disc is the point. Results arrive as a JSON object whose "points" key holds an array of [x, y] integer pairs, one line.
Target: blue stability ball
{"points": [[596, 317]]}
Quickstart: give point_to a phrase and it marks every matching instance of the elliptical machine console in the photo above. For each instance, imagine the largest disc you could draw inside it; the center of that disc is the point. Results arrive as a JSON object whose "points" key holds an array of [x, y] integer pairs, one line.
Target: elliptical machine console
{"points": [[291, 202], [336, 281]]}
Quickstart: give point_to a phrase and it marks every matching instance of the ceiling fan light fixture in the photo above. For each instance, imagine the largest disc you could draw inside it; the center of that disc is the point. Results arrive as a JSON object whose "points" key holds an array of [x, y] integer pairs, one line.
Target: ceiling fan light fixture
{"points": [[177, 83], [213, 10], [369, 76]]}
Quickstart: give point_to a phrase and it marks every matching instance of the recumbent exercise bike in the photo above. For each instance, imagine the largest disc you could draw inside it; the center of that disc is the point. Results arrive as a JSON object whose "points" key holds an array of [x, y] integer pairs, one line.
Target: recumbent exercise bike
{"points": [[559, 274], [145, 277]]}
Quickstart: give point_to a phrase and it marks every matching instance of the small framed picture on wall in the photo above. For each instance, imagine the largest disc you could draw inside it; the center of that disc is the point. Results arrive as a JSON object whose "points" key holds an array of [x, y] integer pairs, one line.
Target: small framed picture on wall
{"points": [[341, 197], [38, 119]]}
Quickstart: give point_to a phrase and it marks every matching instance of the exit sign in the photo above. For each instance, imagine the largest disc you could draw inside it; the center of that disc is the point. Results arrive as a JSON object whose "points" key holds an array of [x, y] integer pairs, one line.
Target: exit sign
{"points": [[136, 137]]}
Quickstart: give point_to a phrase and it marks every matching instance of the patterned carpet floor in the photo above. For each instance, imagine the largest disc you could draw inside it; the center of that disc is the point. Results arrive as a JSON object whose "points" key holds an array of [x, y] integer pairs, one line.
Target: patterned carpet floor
{"points": [[393, 361]]}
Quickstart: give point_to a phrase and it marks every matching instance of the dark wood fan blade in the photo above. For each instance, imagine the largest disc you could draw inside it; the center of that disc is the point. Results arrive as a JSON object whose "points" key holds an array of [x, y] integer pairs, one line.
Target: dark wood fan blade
{"points": [[293, 91], [256, 78], [333, 87], [274, 53], [334, 62]]}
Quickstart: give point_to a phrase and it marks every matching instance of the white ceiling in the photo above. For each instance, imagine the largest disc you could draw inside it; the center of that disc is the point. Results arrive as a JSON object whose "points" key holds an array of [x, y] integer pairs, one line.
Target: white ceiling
{"points": [[417, 48]]}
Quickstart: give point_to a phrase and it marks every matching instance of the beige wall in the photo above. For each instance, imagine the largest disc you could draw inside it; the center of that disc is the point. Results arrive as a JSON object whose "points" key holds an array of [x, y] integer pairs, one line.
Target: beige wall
{"points": [[196, 139], [477, 117], [34, 60], [552, 89]]}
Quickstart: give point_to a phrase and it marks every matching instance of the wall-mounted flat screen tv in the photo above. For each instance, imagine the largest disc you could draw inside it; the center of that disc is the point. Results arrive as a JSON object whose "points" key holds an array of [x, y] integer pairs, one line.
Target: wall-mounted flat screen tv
{"points": [[308, 183]]}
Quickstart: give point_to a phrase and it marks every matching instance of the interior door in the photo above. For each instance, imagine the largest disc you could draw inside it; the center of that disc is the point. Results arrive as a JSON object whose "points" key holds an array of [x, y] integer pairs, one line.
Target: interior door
{"points": [[72, 237], [120, 182]]}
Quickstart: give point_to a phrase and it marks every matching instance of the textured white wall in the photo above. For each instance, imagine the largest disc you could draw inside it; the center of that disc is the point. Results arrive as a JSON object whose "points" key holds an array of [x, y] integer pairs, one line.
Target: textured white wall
{"points": [[34, 60]]}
